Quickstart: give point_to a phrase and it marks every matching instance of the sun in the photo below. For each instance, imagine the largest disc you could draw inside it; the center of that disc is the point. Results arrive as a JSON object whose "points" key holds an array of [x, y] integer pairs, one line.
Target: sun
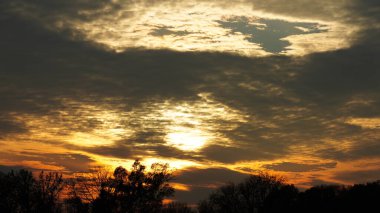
{"points": [[187, 139]]}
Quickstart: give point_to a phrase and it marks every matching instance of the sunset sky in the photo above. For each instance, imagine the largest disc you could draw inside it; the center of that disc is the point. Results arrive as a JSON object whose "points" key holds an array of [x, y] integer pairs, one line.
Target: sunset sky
{"points": [[216, 88]]}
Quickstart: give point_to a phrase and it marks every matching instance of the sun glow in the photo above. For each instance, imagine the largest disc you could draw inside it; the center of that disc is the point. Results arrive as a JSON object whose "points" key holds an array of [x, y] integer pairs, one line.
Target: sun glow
{"points": [[187, 139], [189, 128]]}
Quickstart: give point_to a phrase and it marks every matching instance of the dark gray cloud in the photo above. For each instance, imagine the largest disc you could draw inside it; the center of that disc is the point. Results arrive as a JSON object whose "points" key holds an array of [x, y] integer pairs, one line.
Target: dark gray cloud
{"points": [[235, 154], [359, 176], [365, 145], [163, 31], [204, 181], [70, 161], [9, 126], [316, 181], [208, 177], [299, 167]]}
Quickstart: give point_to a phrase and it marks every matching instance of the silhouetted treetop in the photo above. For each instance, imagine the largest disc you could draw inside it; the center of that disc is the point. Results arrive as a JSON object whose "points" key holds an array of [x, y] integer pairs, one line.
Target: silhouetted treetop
{"points": [[134, 190]]}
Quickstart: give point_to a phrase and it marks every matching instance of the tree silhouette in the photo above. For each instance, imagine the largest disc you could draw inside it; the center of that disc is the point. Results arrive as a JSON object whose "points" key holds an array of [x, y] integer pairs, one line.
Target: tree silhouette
{"points": [[47, 191], [137, 190], [282, 199], [335, 198], [75, 205], [21, 192], [248, 196], [17, 190]]}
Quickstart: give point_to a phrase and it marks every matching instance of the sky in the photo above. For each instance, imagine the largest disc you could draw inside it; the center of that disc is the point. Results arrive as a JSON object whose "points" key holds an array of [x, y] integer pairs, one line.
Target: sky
{"points": [[218, 89]]}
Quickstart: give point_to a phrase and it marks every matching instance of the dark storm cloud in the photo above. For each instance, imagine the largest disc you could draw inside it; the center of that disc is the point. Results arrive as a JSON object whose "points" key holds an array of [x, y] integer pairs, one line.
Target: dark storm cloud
{"points": [[289, 101]]}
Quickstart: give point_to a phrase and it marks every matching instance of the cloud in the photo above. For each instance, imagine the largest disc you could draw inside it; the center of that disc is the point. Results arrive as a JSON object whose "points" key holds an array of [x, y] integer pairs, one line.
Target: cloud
{"points": [[8, 126], [184, 26], [67, 162], [341, 10], [202, 181], [315, 181], [359, 176], [243, 153], [299, 167]]}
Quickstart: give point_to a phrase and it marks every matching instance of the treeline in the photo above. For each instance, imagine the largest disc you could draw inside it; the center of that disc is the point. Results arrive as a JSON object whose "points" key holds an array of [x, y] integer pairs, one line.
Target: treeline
{"points": [[139, 190], [98, 191], [270, 194]]}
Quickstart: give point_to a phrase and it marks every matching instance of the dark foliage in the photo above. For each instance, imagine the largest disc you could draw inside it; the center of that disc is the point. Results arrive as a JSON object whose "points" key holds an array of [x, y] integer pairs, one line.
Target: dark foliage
{"points": [[252, 195], [21, 192], [139, 191], [269, 194], [356, 198], [177, 207], [136, 190]]}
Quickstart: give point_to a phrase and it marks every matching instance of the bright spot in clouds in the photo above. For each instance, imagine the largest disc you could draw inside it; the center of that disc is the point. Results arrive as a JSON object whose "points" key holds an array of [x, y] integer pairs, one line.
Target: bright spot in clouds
{"points": [[186, 139], [370, 123]]}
